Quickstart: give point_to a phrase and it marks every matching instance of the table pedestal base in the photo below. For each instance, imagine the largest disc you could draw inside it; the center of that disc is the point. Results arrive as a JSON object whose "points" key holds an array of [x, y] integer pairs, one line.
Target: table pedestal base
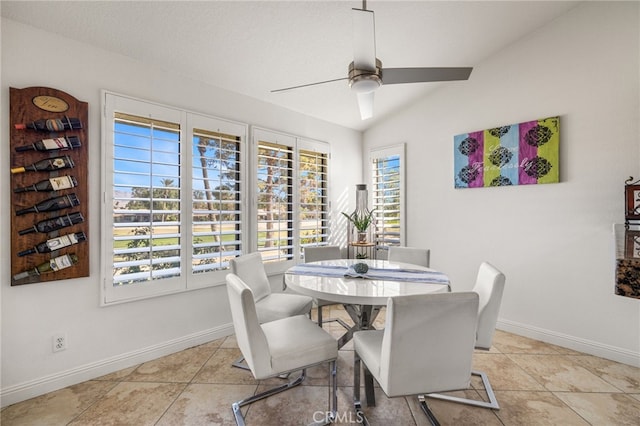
{"points": [[363, 317]]}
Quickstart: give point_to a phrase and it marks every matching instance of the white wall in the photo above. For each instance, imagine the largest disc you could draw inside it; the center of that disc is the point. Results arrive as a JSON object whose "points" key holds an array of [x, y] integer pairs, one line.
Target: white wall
{"points": [[554, 242], [102, 340]]}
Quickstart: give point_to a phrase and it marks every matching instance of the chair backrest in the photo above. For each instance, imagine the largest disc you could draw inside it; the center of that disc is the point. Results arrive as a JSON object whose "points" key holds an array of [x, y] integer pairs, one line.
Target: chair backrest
{"points": [[416, 256], [317, 253], [249, 335], [489, 286], [428, 343], [250, 269]]}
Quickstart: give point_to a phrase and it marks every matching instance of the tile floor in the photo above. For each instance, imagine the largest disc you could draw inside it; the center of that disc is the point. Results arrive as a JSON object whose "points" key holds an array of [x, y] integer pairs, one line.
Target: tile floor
{"points": [[535, 383]]}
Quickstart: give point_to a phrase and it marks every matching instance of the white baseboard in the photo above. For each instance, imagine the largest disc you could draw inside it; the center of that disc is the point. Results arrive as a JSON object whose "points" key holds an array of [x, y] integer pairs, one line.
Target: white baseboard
{"points": [[42, 385], [577, 344]]}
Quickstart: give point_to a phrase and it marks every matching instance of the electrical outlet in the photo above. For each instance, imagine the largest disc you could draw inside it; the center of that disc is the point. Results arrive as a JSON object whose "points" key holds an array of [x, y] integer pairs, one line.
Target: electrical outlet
{"points": [[59, 342]]}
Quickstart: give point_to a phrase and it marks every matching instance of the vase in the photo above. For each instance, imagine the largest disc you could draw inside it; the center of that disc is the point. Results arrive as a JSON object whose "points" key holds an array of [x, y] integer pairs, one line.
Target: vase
{"points": [[362, 209]]}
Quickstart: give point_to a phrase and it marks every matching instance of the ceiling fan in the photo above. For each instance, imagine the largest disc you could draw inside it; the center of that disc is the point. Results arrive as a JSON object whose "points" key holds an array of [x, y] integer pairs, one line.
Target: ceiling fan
{"points": [[366, 74]]}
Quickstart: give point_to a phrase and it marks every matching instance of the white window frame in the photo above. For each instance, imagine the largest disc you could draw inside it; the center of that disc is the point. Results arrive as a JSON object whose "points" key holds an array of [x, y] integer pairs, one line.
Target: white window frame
{"points": [[298, 143], [318, 148], [113, 102], [382, 153]]}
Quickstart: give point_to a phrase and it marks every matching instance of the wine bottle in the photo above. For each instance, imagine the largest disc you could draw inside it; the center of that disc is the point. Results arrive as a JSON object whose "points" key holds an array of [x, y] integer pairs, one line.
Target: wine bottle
{"points": [[53, 224], [52, 125], [63, 143], [52, 184], [51, 204], [54, 264], [46, 165], [56, 243]]}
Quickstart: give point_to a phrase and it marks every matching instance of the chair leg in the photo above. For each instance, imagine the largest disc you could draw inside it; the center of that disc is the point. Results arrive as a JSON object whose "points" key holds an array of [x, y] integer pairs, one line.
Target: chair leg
{"points": [[427, 411], [332, 413], [493, 402], [368, 387], [239, 363], [286, 386], [357, 405]]}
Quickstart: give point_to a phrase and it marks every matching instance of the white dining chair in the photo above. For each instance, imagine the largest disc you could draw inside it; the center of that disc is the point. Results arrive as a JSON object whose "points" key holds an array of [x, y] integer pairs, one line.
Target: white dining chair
{"points": [[489, 286], [426, 346], [269, 306], [413, 255], [279, 347], [315, 254]]}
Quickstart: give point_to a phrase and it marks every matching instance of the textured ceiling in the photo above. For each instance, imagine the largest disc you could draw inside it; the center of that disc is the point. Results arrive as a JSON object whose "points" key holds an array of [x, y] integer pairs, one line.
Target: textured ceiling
{"points": [[255, 47]]}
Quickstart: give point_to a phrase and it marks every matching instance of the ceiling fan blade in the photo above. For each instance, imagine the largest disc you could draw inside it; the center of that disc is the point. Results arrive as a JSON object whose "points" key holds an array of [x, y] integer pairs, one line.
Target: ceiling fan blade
{"points": [[309, 84], [365, 102], [422, 75], [364, 40]]}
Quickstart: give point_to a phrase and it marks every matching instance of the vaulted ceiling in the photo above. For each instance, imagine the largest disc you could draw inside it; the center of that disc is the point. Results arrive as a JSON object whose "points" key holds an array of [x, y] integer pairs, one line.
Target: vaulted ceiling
{"points": [[253, 48]]}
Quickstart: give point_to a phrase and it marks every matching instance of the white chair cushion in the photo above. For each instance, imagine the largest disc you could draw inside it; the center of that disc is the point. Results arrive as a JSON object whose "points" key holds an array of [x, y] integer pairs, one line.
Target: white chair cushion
{"points": [[249, 335], [369, 345], [296, 342], [282, 305], [413, 255], [489, 286], [426, 346], [250, 269], [314, 254]]}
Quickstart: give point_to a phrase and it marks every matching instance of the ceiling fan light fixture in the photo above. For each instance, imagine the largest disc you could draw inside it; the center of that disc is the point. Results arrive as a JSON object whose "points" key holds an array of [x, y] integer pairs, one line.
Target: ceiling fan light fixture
{"points": [[364, 81]]}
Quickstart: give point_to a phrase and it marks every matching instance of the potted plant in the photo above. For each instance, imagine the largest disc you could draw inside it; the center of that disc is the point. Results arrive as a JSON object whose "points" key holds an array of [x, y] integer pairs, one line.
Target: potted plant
{"points": [[361, 220]]}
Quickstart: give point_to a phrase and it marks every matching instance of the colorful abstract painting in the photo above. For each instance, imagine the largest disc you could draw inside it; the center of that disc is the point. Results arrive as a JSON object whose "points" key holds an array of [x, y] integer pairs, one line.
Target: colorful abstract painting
{"points": [[519, 154]]}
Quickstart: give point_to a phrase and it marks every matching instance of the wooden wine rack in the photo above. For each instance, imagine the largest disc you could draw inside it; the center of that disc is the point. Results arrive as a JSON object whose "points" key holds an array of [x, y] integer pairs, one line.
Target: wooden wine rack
{"points": [[24, 109]]}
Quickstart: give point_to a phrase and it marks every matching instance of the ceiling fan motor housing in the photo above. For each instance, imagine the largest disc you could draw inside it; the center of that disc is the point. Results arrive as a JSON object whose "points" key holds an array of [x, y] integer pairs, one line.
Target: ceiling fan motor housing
{"points": [[365, 81]]}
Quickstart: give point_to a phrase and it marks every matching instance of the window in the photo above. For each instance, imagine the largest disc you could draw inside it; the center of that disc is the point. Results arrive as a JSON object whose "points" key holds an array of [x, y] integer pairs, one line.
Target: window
{"points": [[274, 208], [314, 204], [173, 198], [292, 205], [217, 201], [387, 183]]}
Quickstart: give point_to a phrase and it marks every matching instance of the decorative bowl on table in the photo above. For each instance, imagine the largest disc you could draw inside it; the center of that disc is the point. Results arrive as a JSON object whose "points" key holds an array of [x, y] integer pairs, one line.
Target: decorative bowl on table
{"points": [[361, 268]]}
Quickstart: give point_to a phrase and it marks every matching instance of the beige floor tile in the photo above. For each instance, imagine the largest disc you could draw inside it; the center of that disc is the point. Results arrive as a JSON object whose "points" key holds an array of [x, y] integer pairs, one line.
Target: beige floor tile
{"points": [[118, 375], [603, 408], [131, 403], [509, 343], [503, 373], [522, 371], [218, 369], [624, 377], [180, 367], [206, 404], [561, 373], [214, 344], [229, 342], [520, 408], [454, 414], [297, 406], [55, 408], [387, 411]]}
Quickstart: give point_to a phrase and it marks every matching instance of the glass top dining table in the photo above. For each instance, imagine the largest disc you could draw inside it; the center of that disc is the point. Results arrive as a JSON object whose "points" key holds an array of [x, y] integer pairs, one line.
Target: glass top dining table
{"points": [[327, 280], [336, 281], [362, 295]]}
